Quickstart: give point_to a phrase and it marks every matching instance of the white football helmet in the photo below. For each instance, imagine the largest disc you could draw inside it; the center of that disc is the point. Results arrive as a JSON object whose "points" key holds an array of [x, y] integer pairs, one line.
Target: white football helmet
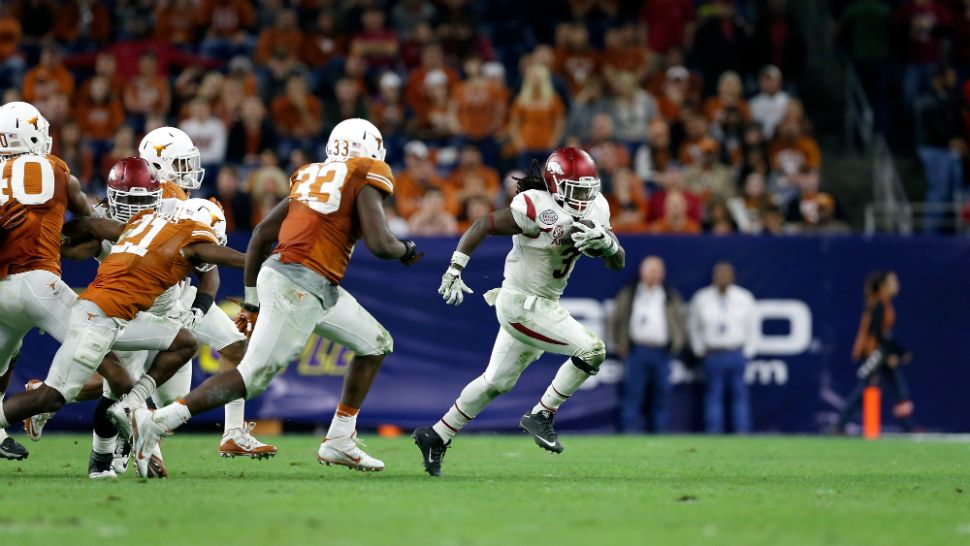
{"points": [[174, 156], [355, 137], [208, 213], [23, 130]]}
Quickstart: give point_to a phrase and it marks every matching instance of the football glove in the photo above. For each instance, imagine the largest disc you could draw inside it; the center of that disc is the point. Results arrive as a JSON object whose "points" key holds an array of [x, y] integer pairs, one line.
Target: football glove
{"points": [[452, 288], [411, 255], [591, 239], [246, 319], [189, 318], [12, 215]]}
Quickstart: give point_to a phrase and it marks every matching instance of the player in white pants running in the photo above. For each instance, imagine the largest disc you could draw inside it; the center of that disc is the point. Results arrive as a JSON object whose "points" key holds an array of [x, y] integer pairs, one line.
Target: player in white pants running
{"points": [[555, 218]]}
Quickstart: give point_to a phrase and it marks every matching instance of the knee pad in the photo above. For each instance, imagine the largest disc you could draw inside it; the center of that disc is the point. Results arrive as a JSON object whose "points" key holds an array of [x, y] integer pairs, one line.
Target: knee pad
{"points": [[590, 359]]}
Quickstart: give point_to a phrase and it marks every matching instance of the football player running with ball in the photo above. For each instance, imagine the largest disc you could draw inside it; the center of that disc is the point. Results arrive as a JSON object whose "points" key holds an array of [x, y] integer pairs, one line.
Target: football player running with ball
{"points": [[295, 291], [554, 219]]}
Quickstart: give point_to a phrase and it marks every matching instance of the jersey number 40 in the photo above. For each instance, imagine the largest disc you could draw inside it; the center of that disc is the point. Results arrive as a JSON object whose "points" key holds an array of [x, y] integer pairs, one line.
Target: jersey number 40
{"points": [[33, 190]]}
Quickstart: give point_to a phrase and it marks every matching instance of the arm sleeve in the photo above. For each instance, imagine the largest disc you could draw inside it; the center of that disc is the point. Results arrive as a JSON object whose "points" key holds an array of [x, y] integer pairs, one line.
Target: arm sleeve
{"points": [[524, 213]]}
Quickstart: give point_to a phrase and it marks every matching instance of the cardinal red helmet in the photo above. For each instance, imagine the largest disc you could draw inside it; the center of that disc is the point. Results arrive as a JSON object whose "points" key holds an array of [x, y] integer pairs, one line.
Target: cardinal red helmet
{"points": [[133, 186], [570, 175]]}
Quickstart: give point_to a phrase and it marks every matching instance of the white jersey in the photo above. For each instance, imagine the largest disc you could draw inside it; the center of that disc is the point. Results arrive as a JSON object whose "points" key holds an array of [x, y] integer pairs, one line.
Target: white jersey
{"points": [[543, 255], [167, 303]]}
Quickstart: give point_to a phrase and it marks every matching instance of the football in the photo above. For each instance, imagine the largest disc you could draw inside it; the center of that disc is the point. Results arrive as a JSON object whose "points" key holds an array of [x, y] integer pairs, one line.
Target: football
{"points": [[588, 223]]}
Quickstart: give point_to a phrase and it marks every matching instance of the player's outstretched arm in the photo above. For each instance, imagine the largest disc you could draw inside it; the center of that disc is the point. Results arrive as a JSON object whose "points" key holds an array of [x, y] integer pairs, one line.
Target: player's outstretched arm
{"points": [[77, 201], [80, 229], [377, 236], [500, 222], [265, 234], [212, 253]]}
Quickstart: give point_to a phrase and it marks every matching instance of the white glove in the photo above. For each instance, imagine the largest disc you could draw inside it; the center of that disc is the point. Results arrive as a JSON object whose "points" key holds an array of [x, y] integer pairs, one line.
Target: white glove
{"points": [[189, 318], [452, 288], [591, 239]]}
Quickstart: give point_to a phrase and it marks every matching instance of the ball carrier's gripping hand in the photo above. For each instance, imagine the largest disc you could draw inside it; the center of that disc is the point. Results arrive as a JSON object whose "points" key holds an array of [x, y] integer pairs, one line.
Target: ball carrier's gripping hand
{"points": [[246, 319], [452, 288], [594, 239]]}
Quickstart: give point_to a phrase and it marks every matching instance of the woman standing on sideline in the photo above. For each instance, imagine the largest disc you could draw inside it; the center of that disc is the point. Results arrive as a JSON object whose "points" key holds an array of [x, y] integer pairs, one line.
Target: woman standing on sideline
{"points": [[877, 352]]}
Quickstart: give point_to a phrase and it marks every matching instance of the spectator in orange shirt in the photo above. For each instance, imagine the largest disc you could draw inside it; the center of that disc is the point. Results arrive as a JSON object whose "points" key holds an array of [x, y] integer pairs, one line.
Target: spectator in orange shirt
{"points": [[674, 92], [628, 204], [175, 22], [297, 114], [575, 60], [675, 219], [538, 117], [479, 110], [470, 163], [730, 93], [418, 178], [434, 123], [432, 218], [624, 52], [432, 58], [147, 92], [99, 113], [792, 152], [11, 62], [225, 24], [280, 40], [475, 208], [696, 130], [375, 42], [322, 42], [68, 27], [49, 77]]}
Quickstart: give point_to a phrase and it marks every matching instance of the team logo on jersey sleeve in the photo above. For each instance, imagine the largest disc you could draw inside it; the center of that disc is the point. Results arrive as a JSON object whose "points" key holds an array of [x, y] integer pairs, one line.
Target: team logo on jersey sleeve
{"points": [[548, 217]]}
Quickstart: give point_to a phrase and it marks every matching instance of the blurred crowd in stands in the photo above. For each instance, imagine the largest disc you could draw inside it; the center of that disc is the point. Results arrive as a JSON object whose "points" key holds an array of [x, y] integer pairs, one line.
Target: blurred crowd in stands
{"points": [[913, 61], [690, 108]]}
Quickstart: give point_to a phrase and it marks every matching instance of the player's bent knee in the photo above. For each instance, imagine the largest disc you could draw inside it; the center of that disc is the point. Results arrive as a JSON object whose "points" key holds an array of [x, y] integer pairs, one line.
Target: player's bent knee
{"points": [[497, 386], [233, 353], [590, 359], [256, 378]]}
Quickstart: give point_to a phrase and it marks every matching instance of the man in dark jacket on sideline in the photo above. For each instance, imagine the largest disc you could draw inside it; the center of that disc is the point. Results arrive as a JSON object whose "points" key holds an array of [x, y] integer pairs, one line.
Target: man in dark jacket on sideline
{"points": [[649, 328]]}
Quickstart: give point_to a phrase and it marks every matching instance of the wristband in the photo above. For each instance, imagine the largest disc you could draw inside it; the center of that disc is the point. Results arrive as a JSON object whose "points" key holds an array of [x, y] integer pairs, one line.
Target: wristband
{"points": [[460, 259], [410, 249], [202, 302], [251, 296]]}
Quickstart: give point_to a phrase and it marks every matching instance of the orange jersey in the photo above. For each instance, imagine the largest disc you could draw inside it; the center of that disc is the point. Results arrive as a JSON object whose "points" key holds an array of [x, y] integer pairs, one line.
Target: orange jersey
{"points": [[146, 261], [321, 226], [40, 184], [171, 190]]}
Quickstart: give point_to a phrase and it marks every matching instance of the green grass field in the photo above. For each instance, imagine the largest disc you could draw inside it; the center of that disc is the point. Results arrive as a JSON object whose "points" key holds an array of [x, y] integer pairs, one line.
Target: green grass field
{"points": [[504, 490]]}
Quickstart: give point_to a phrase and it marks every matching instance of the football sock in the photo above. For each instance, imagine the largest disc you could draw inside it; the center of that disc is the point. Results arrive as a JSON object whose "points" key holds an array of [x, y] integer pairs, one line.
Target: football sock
{"points": [[3, 417], [472, 400], [103, 426], [235, 413], [103, 445], [567, 381], [143, 390], [3, 434], [344, 421], [173, 415]]}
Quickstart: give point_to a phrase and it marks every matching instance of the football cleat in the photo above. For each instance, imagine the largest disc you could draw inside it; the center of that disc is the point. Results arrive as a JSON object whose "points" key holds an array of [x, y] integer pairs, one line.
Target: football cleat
{"points": [[121, 456], [539, 425], [146, 436], [432, 449], [240, 442], [345, 451], [120, 415], [99, 466], [34, 426], [12, 450]]}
